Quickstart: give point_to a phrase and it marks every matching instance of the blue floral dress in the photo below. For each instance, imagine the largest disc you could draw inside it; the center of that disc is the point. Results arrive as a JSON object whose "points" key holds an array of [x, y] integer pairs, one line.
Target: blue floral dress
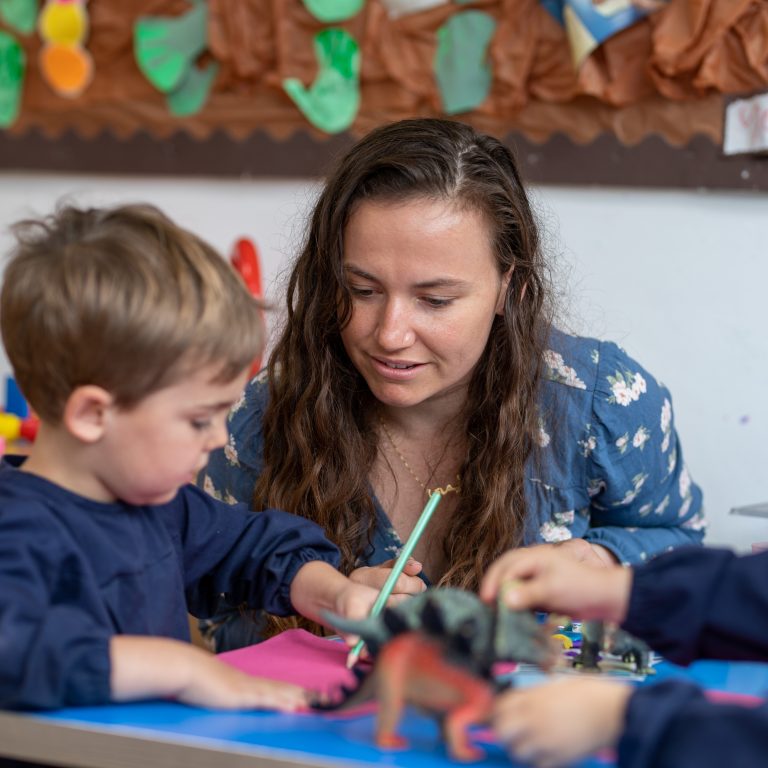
{"points": [[610, 467]]}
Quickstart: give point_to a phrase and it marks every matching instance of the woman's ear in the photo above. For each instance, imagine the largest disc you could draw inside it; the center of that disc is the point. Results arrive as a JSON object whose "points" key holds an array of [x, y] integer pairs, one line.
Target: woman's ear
{"points": [[503, 288], [85, 412]]}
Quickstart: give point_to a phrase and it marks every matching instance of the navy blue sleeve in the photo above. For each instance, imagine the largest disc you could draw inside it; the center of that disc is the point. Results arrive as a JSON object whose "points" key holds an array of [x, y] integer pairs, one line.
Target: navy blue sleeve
{"points": [[54, 638], [697, 603], [249, 557], [672, 725]]}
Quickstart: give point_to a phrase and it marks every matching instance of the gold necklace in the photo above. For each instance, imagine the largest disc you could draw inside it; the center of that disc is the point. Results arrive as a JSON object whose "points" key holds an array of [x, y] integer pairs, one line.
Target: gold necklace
{"points": [[429, 491]]}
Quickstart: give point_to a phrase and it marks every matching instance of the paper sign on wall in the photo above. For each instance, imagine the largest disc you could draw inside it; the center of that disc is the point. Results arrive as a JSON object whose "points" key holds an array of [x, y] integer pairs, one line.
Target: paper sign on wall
{"points": [[405, 7], [746, 125]]}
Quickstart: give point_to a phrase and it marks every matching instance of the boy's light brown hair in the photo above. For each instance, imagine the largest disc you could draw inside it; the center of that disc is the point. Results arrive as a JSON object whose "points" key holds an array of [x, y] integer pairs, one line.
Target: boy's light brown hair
{"points": [[121, 298]]}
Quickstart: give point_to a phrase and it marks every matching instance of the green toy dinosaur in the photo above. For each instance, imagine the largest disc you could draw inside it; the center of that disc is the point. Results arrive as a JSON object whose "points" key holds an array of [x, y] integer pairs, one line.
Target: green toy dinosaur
{"points": [[436, 651], [481, 634]]}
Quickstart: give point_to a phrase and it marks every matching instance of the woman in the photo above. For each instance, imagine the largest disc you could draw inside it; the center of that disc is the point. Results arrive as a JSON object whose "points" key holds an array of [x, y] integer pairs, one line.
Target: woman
{"points": [[418, 352]]}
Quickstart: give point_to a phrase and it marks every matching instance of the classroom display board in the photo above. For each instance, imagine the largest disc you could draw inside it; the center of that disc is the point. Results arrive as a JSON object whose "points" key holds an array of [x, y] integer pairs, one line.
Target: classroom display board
{"points": [[280, 86]]}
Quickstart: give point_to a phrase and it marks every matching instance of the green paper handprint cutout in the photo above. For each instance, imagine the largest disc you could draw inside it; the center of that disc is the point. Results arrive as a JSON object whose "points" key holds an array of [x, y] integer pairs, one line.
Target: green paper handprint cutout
{"points": [[192, 92], [331, 11], [166, 46], [12, 66], [332, 101], [461, 68], [19, 14]]}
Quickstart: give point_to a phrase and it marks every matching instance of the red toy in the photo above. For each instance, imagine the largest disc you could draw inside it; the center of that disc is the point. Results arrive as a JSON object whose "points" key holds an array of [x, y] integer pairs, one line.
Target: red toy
{"points": [[12, 427], [245, 259]]}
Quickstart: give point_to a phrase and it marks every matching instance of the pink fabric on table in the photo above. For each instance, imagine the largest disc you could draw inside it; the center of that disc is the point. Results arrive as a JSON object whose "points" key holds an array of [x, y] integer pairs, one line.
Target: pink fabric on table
{"points": [[299, 657], [726, 697]]}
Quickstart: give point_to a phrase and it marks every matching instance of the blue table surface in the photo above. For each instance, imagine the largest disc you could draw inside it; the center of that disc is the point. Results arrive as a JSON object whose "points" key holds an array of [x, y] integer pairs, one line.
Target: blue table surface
{"points": [[342, 738]]}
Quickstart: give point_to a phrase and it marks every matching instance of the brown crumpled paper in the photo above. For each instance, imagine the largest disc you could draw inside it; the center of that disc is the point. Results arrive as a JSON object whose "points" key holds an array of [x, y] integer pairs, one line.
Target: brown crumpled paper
{"points": [[664, 75]]}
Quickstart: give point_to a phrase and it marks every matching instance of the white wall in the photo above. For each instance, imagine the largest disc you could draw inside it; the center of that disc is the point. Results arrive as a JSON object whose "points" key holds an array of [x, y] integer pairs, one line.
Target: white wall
{"points": [[678, 278]]}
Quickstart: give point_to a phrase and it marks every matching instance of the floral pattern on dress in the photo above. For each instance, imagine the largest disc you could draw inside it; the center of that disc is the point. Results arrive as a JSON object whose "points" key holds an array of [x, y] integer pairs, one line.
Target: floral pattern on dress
{"points": [[662, 506], [558, 371], [211, 490], [638, 481], [238, 405], [626, 387], [230, 451], [698, 522], [685, 487], [552, 532], [665, 423], [672, 461], [542, 437], [639, 439], [588, 443]]}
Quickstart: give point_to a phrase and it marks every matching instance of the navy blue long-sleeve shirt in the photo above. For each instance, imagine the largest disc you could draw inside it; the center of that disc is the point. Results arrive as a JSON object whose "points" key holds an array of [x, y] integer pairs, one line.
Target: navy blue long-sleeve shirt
{"points": [[695, 604], [75, 572]]}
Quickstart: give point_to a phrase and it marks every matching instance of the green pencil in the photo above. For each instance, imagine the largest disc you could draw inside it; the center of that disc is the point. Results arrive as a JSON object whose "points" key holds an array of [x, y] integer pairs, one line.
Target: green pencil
{"points": [[397, 569]]}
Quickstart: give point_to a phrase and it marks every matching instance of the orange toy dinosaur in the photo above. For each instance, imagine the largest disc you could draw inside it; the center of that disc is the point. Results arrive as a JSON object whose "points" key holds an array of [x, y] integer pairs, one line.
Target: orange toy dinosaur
{"points": [[436, 651], [412, 669]]}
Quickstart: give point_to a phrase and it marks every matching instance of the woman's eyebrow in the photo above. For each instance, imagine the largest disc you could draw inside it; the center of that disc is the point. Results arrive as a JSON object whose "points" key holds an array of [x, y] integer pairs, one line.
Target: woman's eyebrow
{"points": [[360, 272], [437, 282], [442, 282]]}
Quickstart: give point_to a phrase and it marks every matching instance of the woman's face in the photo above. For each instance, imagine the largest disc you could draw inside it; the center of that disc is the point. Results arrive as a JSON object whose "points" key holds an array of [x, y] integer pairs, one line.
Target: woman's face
{"points": [[425, 289]]}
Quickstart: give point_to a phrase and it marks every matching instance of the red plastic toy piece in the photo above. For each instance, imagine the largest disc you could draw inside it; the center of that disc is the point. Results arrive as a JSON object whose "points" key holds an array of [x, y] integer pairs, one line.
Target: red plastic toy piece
{"points": [[245, 259]]}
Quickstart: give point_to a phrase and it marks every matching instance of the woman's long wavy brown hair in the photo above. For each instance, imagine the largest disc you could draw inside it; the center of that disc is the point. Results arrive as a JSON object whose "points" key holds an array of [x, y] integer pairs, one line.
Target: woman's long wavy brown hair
{"points": [[319, 438]]}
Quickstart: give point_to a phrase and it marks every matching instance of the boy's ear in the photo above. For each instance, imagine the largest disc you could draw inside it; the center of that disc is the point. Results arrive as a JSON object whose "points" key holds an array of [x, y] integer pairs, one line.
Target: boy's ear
{"points": [[86, 411]]}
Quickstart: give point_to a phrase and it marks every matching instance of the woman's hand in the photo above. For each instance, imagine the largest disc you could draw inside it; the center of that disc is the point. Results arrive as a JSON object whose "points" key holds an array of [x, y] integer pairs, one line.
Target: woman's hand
{"points": [[408, 582], [550, 578], [558, 723]]}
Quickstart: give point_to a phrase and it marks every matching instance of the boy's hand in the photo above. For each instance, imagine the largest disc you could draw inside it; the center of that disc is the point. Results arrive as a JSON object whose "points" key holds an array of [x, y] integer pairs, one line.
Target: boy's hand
{"points": [[319, 588], [354, 601], [216, 685], [541, 726], [548, 579], [408, 583], [582, 551], [159, 667]]}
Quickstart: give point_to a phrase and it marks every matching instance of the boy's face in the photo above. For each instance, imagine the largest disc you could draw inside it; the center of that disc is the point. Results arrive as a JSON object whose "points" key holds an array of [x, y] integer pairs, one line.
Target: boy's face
{"points": [[151, 450]]}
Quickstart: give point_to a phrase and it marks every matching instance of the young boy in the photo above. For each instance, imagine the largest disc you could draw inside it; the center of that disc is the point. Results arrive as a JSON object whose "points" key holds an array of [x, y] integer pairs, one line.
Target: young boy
{"points": [[687, 604], [131, 339]]}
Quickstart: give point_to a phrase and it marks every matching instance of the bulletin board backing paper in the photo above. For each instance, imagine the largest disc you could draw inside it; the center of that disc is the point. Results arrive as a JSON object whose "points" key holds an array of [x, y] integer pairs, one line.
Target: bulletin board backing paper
{"points": [[651, 163], [268, 88]]}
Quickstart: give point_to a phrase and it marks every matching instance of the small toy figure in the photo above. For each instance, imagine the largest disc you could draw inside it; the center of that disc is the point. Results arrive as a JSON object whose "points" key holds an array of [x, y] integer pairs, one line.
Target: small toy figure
{"points": [[598, 638], [436, 651]]}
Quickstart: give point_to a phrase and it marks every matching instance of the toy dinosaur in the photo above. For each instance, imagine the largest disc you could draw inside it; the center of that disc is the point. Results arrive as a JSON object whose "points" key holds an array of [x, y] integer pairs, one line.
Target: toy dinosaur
{"points": [[436, 651], [597, 639]]}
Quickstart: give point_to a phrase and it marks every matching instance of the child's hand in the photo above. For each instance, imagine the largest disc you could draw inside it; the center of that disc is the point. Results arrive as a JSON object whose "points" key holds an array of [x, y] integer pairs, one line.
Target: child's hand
{"points": [[159, 667], [216, 685], [558, 723], [583, 551], [354, 601], [408, 583], [548, 579], [319, 588]]}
